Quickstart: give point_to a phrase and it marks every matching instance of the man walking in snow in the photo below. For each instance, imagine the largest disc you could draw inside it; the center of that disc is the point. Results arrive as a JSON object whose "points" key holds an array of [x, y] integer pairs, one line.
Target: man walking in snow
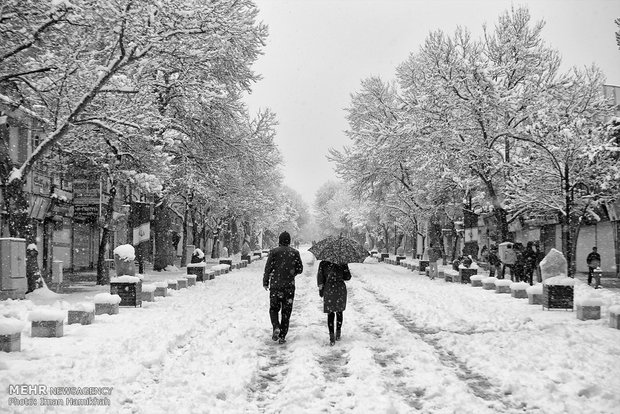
{"points": [[283, 264]]}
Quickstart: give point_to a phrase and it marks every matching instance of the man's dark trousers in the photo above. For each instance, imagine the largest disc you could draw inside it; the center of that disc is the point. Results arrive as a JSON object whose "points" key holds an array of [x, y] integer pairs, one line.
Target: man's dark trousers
{"points": [[281, 299]]}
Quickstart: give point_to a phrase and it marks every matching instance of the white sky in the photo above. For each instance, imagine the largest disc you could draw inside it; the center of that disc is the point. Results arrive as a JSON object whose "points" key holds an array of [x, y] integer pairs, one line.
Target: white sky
{"points": [[318, 52]]}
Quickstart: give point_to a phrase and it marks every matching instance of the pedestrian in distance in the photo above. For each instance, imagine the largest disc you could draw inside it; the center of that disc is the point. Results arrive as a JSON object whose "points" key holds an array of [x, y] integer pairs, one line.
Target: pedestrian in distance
{"points": [[330, 279], [508, 261], [540, 255], [529, 258], [494, 262], [283, 264], [434, 254], [593, 260], [519, 267]]}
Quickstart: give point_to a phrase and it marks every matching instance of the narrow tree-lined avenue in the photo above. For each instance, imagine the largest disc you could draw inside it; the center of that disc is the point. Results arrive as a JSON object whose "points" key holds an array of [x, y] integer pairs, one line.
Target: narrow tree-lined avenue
{"points": [[407, 346], [450, 175]]}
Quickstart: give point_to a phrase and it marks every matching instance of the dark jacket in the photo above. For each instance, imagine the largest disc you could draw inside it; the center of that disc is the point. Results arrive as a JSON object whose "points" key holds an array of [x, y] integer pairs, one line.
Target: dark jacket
{"points": [[332, 276], [283, 264], [593, 259]]}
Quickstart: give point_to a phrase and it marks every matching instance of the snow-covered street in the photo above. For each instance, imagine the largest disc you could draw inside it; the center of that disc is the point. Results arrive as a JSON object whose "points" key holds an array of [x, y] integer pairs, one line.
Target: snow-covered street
{"points": [[409, 344]]}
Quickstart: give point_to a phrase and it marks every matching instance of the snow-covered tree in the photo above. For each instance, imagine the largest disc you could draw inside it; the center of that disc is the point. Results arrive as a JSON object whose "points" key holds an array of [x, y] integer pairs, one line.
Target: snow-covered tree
{"points": [[567, 166]]}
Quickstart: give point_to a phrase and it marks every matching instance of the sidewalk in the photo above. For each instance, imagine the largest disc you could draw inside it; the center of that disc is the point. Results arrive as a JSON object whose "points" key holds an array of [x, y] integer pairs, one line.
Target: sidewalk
{"points": [[609, 282]]}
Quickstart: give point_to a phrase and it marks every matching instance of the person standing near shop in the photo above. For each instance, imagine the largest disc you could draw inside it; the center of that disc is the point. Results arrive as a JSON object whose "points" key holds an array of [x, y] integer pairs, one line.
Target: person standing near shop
{"points": [[283, 264], [594, 261], [434, 254]]}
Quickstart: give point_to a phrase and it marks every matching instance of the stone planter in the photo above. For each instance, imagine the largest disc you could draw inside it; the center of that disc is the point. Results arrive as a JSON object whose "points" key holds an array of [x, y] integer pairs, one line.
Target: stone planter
{"points": [[197, 269], [449, 277], [182, 283], [614, 317], [476, 280], [423, 265], [489, 283], [247, 258], [149, 296], [466, 274], [161, 291], [502, 289], [47, 329], [191, 280], [558, 297], [106, 308], [209, 274], [588, 312], [383, 256], [173, 285], [81, 316], [226, 261], [257, 255], [534, 298], [130, 293], [11, 342], [519, 290]]}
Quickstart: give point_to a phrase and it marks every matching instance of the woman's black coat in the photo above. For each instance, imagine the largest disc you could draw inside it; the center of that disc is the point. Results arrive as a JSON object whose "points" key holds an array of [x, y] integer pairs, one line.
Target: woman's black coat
{"points": [[332, 276]]}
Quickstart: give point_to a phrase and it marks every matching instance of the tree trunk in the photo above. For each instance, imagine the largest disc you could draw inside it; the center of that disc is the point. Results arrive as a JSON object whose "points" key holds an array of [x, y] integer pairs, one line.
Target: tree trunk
{"points": [[103, 278], [185, 232], [21, 226], [162, 223], [234, 238]]}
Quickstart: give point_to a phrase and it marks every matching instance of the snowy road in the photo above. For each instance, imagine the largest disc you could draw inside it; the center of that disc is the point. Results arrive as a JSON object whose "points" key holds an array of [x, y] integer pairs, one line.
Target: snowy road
{"points": [[409, 344]]}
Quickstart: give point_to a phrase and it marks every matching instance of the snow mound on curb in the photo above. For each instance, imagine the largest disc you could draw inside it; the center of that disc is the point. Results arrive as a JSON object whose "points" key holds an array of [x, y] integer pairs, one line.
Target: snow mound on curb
{"points": [[10, 326], [107, 298], [46, 314]]}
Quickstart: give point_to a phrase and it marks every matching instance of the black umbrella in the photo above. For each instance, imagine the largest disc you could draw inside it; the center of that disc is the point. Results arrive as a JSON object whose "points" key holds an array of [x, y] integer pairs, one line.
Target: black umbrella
{"points": [[340, 250]]}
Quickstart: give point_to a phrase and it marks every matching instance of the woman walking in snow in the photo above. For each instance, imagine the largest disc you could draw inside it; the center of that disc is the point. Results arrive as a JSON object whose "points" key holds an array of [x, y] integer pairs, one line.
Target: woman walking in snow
{"points": [[330, 279]]}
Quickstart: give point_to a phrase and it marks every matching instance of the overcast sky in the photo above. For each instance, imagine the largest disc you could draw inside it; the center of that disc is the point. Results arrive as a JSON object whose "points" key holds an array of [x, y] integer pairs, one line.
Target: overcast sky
{"points": [[318, 52]]}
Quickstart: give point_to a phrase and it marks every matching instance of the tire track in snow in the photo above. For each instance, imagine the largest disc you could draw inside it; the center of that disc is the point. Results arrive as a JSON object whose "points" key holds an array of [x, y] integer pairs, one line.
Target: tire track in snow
{"points": [[391, 363], [480, 385], [268, 381]]}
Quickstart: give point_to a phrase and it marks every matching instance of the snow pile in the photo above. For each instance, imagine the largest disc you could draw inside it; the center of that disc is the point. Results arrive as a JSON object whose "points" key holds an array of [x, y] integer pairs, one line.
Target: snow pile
{"points": [[200, 264], [198, 253], [160, 285], [477, 277], [46, 314], [190, 276], [501, 282], [125, 279], [554, 264], [173, 282], [84, 307], [10, 326], [615, 309], [535, 290], [107, 298], [519, 286], [589, 301], [32, 246], [43, 293], [125, 252], [489, 280], [171, 268], [220, 267], [560, 281], [151, 287]]}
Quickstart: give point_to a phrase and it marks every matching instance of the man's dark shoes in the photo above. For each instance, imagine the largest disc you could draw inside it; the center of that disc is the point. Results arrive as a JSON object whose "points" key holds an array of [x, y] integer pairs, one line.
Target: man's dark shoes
{"points": [[281, 341], [276, 334], [332, 340], [337, 334]]}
